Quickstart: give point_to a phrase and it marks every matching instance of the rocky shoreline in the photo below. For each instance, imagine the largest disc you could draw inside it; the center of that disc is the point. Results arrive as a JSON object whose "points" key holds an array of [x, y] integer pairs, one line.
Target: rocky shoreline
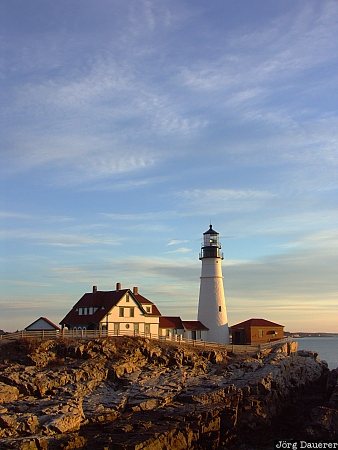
{"points": [[133, 393]]}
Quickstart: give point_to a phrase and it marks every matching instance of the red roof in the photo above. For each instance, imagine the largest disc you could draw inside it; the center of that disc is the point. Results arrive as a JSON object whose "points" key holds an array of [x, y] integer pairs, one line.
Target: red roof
{"points": [[257, 323], [171, 322], [194, 325], [103, 300], [145, 301]]}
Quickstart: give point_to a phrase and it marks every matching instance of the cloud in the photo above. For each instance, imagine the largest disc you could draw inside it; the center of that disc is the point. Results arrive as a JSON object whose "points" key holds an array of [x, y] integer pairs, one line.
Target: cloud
{"points": [[293, 43], [14, 215], [324, 240], [221, 200], [177, 242], [181, 250], [152, 216], [123, 185], [58, 239], [77, 159]]}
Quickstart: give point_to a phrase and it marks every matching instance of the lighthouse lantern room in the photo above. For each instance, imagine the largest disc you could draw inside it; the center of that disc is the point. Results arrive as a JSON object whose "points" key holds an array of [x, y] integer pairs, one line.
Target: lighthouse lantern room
{"points": [[211, 306]]}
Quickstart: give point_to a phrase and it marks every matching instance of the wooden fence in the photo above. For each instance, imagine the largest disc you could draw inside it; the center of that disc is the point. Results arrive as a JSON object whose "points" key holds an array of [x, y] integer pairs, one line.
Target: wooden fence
{"points": [[177, 340]]}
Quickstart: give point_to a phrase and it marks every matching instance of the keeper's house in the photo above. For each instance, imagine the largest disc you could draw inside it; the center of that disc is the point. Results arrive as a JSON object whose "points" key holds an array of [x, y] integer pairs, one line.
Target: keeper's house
{"points": [[120, 311], [256, 331], [127, 312]]}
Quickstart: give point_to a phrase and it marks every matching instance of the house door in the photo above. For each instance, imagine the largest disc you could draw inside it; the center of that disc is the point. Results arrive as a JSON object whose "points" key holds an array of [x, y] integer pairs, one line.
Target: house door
{"points": [[238, 337], [116, 328], [136, 329], [193, 335], [147, 328]]}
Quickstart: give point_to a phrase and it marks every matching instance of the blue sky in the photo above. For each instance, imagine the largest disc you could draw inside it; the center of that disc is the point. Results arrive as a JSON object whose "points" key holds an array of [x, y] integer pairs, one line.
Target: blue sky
{"points": [[127, 126]]}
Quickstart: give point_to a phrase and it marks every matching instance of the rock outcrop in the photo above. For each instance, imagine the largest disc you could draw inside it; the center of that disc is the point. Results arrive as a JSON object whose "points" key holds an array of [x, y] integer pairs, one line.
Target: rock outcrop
{"points": [[131, 393]]}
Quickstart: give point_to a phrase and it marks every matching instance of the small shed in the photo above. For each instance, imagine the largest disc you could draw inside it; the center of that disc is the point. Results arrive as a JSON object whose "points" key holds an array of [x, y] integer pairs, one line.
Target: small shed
{"points": [[171, 327], [42, 324], [195, 330], [256, 331]]}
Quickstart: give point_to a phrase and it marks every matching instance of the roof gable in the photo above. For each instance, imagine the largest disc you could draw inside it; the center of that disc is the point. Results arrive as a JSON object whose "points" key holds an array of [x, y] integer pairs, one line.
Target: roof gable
{"points": [[145, 302], [42, 324]]}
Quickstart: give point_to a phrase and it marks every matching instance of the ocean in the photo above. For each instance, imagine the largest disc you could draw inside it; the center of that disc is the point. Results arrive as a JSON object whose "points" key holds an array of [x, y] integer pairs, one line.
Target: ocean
{"points": [[326, 347]]}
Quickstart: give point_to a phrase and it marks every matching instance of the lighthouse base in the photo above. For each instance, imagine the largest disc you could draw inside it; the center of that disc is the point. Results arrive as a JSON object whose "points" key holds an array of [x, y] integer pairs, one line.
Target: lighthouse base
{"points": [[220, 336]]}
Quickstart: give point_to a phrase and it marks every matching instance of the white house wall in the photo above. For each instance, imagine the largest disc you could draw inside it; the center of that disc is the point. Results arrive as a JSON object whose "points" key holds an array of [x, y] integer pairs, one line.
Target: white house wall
{"points": [[127, 324], [200, 335], [171, 332]]}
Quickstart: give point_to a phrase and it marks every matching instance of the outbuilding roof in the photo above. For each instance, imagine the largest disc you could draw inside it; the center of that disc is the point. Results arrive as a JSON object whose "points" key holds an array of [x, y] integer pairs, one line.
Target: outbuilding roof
{"points": [[42, 320], [194, 325], [256, 323], [171, 323]]}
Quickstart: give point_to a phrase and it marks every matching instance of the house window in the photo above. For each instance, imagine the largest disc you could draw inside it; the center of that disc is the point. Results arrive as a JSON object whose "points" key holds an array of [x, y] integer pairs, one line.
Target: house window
{"points": [[132, 312], [167, 332], [148, 309], [80, 311], [127, 297], [220, 308], [260, 333], [121, 312]]}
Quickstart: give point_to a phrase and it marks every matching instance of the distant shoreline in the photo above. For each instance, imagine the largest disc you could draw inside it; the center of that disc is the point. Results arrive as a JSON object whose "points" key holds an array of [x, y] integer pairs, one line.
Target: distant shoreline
{"points": [[302, 335]]}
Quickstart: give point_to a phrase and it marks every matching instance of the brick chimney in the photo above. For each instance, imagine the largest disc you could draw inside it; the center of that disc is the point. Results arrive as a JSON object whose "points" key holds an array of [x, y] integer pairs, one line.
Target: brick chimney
{"points": [[118, 286], [94, 289], [135, 290]]}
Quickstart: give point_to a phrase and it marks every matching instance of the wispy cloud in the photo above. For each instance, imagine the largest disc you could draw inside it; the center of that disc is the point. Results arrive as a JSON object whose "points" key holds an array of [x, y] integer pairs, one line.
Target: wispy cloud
{"points": [[59, 239], [289, 43], [221, 200], [181, 250], [14, 215], [177, 242]]}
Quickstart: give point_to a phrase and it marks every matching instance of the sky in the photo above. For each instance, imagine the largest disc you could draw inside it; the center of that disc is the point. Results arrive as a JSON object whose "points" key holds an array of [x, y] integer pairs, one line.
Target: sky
{"points": [[127, 127]]}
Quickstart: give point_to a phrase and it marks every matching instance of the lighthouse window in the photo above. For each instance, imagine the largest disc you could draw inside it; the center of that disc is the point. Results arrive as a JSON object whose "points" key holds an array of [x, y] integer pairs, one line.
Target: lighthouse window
{"points": [[220, 308], [213, 240]]}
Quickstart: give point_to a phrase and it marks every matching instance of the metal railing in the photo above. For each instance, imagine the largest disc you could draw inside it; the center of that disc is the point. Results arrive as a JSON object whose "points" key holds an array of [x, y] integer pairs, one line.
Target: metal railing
{"points": [[177, 339]]}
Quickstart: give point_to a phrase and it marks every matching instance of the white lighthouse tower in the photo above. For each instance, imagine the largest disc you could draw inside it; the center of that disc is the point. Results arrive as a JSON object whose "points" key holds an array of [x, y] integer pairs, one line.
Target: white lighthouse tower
{"points": [[211, 306]]}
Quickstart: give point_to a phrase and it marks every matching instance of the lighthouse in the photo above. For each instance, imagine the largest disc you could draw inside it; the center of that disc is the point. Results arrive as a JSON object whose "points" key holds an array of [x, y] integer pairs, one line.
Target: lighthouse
{"points": [[211, 306]]}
